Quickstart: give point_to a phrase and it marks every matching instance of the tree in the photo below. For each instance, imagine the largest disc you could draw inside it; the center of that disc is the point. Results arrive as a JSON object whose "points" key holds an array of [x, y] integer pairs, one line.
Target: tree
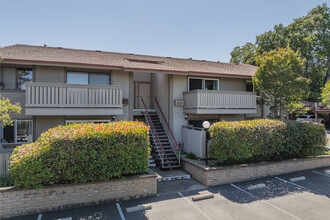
{"points": [[246, 54], [271, 40], [6, 109], [325, 95], [310, 36], [279, 81]]}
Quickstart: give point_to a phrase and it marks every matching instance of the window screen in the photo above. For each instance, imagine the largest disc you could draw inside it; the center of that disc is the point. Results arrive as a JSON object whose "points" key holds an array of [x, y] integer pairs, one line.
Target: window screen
{"points": [[211, 84], [99, 79], [77, 78], [23, 76], [195, 84]]}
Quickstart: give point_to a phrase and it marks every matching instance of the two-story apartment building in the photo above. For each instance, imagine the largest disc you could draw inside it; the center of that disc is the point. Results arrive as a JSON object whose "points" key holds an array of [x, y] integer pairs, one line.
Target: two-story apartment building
{"points": [[55, 86]]}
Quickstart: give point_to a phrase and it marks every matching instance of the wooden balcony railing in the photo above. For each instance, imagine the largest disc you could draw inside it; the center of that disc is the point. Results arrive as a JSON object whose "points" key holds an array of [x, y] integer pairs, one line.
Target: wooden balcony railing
{"points": [[71, 95], [210, 99]]}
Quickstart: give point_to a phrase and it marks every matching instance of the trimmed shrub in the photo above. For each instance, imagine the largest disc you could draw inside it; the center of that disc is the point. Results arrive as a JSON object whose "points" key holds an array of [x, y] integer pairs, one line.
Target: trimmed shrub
{"points": [[265, 140], [78, 153]]}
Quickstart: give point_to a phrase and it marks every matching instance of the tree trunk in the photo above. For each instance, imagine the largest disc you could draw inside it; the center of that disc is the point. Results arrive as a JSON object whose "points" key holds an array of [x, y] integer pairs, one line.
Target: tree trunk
{"points": [[327, 72]]}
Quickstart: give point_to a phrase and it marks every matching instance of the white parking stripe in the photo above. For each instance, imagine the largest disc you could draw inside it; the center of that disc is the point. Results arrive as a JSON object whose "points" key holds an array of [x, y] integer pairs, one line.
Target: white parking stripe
{"points": [[256, 197], [39, 217], [120, 211], [297, 185], [191, 203], [321, 173]]}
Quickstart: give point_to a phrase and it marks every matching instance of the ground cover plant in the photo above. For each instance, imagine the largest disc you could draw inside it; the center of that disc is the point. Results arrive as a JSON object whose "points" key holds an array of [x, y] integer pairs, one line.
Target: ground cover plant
{"points": [[265, 140], [78, 153]]}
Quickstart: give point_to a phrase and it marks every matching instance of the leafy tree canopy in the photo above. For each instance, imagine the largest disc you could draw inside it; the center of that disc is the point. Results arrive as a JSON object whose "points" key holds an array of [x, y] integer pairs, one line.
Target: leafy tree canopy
{"points": [[279, 81], [309, 36], [325, 95], [6, 109], [245, 54]]}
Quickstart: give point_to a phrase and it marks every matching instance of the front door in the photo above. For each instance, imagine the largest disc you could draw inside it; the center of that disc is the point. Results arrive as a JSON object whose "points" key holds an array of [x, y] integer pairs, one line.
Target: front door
{"points": [[144, 92]]}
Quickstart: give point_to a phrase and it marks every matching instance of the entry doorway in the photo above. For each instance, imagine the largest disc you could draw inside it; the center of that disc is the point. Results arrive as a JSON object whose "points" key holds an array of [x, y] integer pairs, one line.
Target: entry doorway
{"points": [[142, 89]]}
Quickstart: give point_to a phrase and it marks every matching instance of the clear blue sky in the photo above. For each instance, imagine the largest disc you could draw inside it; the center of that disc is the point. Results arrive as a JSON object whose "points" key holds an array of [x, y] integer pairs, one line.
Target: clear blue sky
{"points": [[201, 29]]}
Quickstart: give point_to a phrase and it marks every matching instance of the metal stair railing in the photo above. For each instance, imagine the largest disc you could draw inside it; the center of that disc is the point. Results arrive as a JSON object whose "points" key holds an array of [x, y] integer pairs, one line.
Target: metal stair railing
{"points": [[173, 142], [154, 134]]}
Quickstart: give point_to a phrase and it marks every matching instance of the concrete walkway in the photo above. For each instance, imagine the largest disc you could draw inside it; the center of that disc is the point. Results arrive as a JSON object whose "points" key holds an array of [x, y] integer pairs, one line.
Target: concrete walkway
{"points": [[177, 185]]}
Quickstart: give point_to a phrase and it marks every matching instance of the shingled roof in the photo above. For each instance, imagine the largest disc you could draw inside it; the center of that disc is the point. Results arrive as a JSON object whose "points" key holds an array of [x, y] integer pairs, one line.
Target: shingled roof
{"points": [[129, 62]]}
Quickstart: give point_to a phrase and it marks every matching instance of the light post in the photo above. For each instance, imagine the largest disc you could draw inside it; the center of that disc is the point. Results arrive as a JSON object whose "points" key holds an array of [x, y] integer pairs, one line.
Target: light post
{"points": [[206, 125]]}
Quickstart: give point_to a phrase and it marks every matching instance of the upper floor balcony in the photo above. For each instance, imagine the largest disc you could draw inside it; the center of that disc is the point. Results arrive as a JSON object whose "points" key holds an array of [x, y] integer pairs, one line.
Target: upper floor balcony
{"points": [[72, 99], [219, 102]]}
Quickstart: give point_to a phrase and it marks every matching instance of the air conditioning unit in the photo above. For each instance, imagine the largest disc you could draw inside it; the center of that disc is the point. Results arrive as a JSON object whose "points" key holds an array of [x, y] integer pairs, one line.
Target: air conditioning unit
{"points": [[178, 102]]}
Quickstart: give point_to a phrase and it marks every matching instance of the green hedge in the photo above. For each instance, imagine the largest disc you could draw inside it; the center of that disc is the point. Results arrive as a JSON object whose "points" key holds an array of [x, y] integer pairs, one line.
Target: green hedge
{"points": [[81, 153], [265, 140]]}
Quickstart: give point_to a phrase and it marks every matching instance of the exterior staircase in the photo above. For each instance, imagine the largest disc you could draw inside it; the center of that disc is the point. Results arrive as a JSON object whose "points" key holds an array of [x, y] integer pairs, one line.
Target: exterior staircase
{"points": [[165, 151]]}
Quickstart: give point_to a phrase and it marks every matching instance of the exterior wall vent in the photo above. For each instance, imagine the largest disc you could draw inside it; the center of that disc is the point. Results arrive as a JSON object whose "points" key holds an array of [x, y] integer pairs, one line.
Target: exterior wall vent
{"points": [[178, 102], [125, 101]]}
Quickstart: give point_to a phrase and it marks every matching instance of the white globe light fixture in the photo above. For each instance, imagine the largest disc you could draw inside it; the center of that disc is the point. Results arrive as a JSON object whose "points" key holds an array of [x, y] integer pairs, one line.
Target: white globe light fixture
{"points": [[206, 124]]}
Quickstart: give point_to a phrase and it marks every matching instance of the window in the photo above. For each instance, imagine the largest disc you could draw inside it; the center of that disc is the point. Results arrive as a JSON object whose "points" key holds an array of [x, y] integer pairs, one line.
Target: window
{"points": [[195, 84], [85, 121], [99, 79], [205, 84], [20, 132], [88, 78], [77, 78], [23, 76], [249, 86], [211, 84]]}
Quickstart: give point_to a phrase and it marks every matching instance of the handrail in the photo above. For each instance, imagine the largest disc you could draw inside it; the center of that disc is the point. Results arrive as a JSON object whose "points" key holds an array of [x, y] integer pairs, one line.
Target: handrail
{"points": [[158, 106], [152, 124]]}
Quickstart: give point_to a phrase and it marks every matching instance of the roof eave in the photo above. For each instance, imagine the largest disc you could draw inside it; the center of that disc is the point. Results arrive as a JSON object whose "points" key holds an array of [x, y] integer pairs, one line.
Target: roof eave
{"points": [[57, 63]]}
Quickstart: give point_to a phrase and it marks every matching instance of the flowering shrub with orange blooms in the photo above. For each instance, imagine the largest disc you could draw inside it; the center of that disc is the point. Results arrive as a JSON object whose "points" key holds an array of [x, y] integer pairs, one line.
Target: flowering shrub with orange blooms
{"points": [[78, 153], [265, 140]]}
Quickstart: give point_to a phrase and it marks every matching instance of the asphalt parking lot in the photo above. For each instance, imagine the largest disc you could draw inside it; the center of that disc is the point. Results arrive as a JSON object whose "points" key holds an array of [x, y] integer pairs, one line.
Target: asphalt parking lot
{"points": [[276, 197]]}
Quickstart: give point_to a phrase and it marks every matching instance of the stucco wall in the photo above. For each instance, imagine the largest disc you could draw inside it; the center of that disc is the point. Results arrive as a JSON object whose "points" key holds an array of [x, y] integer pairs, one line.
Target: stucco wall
{"points": [[232, 84], [141, 77], [177, 87], [159, 89], [44, 123], [9, 78], [50, 74], [123, 79]]}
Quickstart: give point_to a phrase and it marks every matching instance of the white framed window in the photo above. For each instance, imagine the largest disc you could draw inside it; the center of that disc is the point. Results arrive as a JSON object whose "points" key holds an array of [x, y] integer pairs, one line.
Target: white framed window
{"points": [[86, 78], [203, 83], [23, 76], [249, 86], [85, 121], [20, 132]]}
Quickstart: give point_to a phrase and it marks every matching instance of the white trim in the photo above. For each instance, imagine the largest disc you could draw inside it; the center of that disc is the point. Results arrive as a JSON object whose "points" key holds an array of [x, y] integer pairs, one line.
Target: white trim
{"points": [[257, 198], [203, 82], [321, 173], [39, 217], [120, 211], [86, 121]]}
